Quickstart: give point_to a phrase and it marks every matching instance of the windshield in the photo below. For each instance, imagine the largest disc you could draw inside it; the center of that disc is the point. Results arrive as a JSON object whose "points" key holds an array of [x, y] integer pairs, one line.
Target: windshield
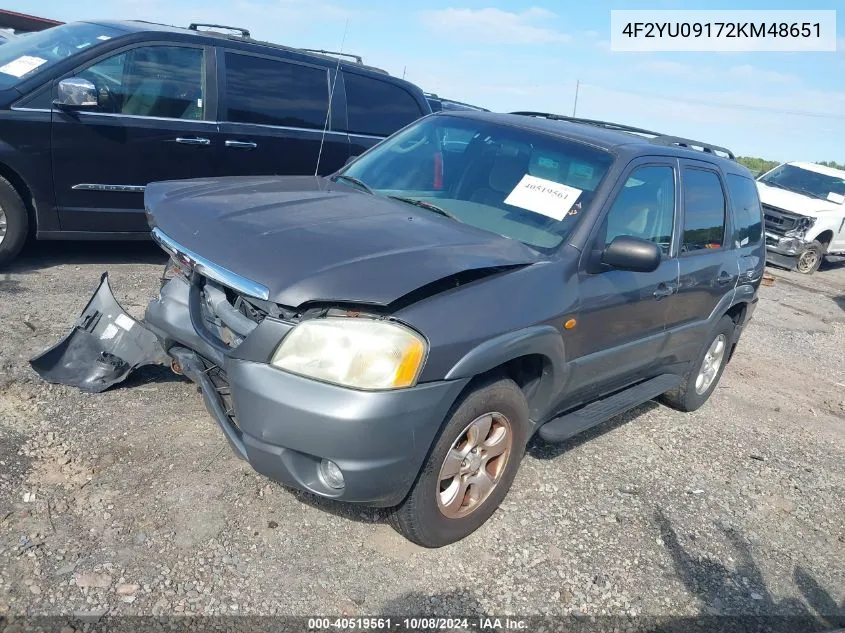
{"points": [[524, 185], [804, 181], [22, 57]]}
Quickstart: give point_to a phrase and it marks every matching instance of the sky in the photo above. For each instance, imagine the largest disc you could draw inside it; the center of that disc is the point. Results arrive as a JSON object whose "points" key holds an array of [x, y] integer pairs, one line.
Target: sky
{"points": [[529, 54]]}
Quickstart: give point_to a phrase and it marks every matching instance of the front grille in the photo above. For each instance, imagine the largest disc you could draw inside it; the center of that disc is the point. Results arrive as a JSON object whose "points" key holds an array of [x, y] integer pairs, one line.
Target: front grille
{"points": [[778, 221]]}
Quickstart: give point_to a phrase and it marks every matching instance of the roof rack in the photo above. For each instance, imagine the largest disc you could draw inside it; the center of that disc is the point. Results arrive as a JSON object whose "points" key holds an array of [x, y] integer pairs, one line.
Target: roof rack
{"points": [[658, 138], [194, 26], [358, 59]]}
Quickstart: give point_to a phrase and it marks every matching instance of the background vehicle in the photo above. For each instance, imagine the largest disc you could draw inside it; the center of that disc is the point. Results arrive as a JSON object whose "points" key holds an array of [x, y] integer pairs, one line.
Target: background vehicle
{"points": [[438, 103], [804, 206], [394, 334], [92, 112]]}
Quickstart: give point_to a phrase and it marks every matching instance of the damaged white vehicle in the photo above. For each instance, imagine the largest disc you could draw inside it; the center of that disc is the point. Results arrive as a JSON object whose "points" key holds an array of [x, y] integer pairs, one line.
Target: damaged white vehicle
{"points": [[804, 208]]}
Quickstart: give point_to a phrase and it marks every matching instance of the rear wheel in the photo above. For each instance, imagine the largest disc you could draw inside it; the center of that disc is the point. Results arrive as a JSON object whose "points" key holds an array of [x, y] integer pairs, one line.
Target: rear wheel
{"points": [[470, 469], [810, 258], [14, 222], [697, 384]]}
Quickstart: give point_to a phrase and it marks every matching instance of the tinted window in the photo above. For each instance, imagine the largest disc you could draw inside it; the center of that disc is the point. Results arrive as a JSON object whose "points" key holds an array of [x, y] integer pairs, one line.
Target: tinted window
{"points": [[747, 213], [645, 207], [274, 92], [519, 183], [156, 81], [704, 211], [377, 107]]}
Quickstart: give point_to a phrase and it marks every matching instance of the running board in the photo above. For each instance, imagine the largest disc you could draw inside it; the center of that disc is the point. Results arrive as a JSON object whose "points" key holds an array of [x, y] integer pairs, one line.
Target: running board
{"points": [[571, 424]]}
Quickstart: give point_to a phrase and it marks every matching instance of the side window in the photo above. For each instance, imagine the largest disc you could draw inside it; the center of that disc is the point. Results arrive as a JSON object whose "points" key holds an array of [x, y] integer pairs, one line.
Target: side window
{"points": [[645, 207], [748, 217], [155, 81], [377, 107], [704, 211], [275, 92]]}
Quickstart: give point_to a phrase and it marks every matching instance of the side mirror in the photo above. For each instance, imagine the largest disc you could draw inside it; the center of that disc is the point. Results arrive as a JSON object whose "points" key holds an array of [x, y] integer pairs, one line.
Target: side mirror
{"points": [[76, 93], [632, 253], [349, 160]]}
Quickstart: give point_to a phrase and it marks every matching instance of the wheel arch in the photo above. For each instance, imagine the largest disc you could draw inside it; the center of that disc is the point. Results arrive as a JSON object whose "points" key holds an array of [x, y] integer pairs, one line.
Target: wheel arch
{"points": [[24, 191], [534, 358], [825, 238]]}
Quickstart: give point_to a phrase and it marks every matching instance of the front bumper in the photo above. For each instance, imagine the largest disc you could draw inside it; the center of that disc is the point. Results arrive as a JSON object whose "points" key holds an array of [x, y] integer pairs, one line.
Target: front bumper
{"points": [[783, 251], [284, 424]]}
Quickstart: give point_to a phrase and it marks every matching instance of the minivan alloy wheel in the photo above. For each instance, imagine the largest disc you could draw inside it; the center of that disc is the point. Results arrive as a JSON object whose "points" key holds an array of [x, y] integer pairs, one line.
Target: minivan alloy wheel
{"points": [[2, 225], [711, 364], [474, 465]]}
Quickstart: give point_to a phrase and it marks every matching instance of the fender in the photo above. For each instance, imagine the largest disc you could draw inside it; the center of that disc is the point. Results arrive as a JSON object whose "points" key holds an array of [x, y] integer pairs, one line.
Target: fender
{"points": [[543, 340]]}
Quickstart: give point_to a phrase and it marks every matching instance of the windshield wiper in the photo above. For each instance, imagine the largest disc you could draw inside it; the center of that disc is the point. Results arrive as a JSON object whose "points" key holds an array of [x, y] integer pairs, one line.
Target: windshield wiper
{"points": [[772, 183], [355, 181], [812, 194], [425, 205]]}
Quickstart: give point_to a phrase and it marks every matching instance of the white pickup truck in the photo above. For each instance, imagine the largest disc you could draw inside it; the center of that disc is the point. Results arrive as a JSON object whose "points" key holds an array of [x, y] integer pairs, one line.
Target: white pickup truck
{"points": [[804, 209]]}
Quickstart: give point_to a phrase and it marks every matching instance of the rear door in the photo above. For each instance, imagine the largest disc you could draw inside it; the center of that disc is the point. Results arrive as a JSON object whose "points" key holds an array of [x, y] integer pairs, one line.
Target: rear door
{"points": [[154, 122], [273, 115], [375, 109], [621, 322], [708, 261]]}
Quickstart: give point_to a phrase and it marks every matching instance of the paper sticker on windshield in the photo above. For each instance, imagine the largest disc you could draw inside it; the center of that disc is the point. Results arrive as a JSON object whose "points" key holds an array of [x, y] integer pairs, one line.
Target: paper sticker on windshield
{"points": [[22, 65], [838, 198], [546, 197]]}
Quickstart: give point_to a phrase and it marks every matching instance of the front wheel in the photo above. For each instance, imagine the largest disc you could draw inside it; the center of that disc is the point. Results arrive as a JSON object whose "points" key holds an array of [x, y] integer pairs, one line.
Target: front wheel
{"points": [[699, 382], [13, 222], [470, 469], [810, 258]]}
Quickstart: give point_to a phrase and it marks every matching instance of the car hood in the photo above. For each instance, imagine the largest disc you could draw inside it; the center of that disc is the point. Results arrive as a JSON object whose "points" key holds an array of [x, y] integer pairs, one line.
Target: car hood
{"points": [[796, 202], [307, 239]]}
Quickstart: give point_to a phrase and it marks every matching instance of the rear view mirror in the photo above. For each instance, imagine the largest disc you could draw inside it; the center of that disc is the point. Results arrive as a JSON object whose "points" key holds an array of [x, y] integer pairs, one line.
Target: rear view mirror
{"points": [[76, 93], [632, 253]]}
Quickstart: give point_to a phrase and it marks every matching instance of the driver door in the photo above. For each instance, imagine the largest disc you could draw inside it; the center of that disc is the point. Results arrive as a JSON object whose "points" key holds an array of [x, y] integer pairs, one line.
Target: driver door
{"points": [[622, 316], [154, 121]]}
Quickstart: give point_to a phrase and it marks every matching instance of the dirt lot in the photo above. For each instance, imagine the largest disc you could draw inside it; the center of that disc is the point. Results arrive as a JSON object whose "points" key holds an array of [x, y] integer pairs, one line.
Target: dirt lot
{"points": [[131, 502]]}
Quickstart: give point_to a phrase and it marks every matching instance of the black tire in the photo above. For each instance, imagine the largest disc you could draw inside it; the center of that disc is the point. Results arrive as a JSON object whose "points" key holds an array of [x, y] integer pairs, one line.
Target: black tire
{"points": [[17, 222], [685, 397], [808, 260], [419, 517]]}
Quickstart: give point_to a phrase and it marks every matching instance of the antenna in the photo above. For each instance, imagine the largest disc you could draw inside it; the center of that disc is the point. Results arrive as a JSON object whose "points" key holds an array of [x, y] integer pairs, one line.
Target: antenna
{"points": [[331, 95]]}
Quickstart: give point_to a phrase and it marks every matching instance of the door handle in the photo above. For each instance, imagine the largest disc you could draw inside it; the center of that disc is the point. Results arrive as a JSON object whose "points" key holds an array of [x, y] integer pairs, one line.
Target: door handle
{"points": [[724, 278], [663, 290], [241, 144], [193, 141]]}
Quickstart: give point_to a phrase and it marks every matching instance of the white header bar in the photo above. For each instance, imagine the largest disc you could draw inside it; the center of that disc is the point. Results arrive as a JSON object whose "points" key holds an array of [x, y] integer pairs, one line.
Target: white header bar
{"points": [[722, 30]]}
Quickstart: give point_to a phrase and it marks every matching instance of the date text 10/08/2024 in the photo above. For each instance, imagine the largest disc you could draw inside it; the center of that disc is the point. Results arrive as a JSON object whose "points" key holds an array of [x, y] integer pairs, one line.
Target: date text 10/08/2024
{"points": [[417, 623]]}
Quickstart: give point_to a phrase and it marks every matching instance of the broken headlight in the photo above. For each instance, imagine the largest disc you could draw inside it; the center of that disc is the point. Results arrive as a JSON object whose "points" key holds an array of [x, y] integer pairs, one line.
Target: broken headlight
{"points": [[801, 226], [355, 352]]}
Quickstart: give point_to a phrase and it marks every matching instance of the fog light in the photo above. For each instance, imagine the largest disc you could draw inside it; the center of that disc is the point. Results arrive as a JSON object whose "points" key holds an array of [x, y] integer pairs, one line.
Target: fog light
{"points": [[331, 475]]}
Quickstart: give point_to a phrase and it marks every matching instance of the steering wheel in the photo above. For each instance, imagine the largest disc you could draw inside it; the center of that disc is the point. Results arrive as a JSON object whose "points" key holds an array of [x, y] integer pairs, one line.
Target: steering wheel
{"points": [[410, 145]]}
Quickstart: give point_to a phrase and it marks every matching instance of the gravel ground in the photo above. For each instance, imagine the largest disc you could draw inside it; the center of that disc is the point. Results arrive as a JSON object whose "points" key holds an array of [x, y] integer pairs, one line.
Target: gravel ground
{"points": [[130, 502]]}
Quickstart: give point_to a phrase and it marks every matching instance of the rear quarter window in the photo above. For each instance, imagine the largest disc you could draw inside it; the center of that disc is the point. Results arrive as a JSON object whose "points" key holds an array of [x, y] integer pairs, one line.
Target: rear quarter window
{"points": [[748, 216], [378, 108]]}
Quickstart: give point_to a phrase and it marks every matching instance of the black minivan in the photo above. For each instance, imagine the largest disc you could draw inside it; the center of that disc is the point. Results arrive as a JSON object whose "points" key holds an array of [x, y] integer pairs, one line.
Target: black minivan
{"points": [[90, 113]]}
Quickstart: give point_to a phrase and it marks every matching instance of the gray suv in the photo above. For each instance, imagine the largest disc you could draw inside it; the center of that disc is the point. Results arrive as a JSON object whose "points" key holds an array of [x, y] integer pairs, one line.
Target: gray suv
{"points": [[394, 334]]}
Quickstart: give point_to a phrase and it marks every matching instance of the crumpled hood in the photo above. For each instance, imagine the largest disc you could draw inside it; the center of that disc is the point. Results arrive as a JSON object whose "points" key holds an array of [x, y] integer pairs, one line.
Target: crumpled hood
{"points": [[308, 239], [796, 202]]}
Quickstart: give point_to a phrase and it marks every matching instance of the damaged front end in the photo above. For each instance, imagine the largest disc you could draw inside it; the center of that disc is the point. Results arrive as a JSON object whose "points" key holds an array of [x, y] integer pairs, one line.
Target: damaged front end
{"points": [[103, 348], [785, 235]]}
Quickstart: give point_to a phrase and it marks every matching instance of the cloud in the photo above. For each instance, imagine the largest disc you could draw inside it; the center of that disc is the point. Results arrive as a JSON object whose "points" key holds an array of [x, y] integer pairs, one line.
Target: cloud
{"points": [[496, 25], [745, 73]]}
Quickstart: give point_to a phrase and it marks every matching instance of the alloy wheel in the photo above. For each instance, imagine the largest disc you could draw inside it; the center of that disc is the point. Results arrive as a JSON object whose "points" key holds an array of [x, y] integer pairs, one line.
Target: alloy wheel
{"points": [[711, 364], [474, 465]]}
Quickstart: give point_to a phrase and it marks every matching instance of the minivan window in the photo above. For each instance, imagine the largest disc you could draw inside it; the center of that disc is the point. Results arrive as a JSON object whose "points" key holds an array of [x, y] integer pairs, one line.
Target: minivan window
{"points": [[154, 81], [274, 92], [22, 57], [521, 184], [704, 211], [378, 108], [748, 218]]}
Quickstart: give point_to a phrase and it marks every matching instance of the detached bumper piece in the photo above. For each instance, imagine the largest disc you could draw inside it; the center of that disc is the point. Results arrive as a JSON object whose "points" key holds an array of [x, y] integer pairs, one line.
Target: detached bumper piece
{"points": [[103, 347]]}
